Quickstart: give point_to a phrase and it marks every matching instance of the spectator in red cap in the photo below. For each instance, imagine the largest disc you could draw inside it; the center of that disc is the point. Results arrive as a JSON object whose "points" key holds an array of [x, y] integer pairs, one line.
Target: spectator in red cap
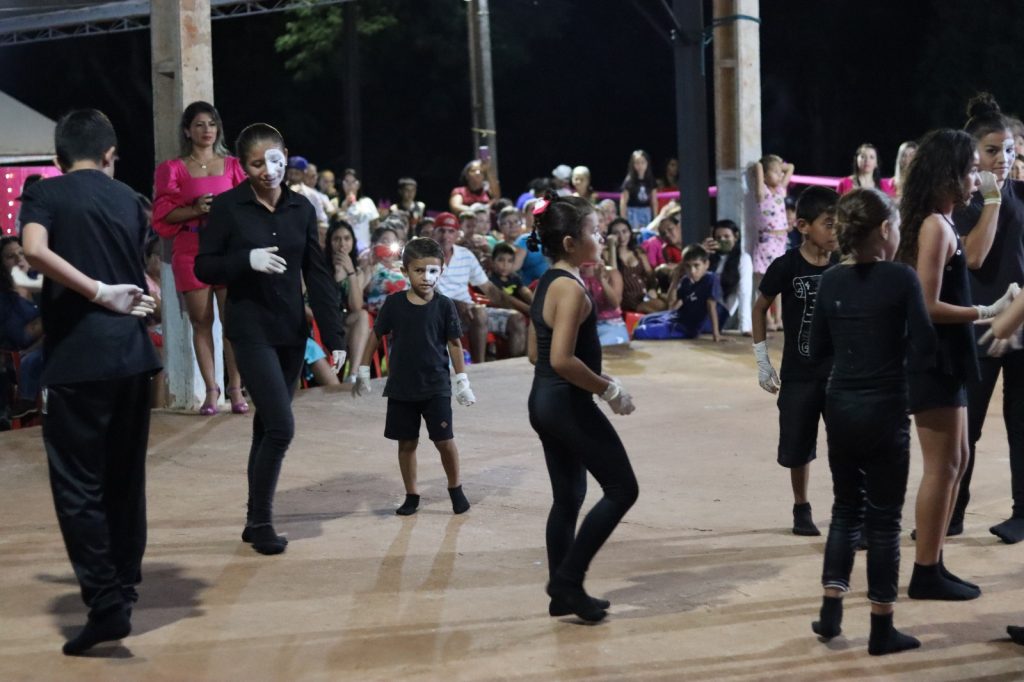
{"points": [[461, 270]]}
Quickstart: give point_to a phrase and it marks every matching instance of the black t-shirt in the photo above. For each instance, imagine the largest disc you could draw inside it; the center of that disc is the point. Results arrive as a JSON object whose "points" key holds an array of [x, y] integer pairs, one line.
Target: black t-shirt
{"points": [[509, 285], [418, 350], [98, 225], [1005, 261], [796, 280], [869, 318]]}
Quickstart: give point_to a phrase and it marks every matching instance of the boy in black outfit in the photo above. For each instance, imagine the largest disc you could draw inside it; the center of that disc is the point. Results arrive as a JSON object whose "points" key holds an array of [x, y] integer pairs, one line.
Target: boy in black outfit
{"points": [[795, 276], [81, 230], [425, 337]]}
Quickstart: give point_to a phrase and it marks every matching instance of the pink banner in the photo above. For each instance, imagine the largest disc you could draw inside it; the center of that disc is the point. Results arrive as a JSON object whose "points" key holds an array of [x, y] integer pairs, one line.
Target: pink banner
{"points": [[12, 178], [713, 190]]}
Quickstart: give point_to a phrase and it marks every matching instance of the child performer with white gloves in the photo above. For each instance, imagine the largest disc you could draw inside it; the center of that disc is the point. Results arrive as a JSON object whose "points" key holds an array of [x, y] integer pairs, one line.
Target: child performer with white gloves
{"points": [[425, 337]]}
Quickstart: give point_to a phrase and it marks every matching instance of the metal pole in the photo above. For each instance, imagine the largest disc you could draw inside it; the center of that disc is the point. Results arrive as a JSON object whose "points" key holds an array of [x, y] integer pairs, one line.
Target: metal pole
{"points": [[353, 120], [475, 96], [691, 119], [490, 135]]}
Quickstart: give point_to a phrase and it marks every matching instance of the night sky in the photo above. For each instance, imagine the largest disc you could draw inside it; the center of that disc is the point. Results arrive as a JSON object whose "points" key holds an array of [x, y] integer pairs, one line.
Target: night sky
{"points": [[575, 82]]}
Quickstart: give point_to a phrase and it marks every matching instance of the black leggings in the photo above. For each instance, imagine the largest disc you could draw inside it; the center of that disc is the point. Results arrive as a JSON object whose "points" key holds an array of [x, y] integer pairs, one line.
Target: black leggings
{"points": [[577, 438], [979, 393], [869, 455], [270, 374]]}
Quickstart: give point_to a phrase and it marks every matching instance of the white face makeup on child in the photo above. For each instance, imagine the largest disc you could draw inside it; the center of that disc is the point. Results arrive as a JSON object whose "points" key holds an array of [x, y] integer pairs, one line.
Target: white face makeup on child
{"points": [[276, 163], [432, 274]]}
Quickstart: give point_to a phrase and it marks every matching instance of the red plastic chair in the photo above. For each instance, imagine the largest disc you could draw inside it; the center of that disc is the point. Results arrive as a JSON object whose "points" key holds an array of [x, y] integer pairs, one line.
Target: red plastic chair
{"points": [[632, 319]]}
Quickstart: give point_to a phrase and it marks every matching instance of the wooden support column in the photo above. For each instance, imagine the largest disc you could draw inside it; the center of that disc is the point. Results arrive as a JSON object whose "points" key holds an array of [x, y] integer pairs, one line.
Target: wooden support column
{"points": [[182, 64], [737, 48]]}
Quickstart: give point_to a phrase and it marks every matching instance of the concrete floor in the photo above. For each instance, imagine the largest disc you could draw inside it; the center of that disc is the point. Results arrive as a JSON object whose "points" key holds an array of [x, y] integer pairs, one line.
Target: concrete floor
{"points": [[706, 581]]}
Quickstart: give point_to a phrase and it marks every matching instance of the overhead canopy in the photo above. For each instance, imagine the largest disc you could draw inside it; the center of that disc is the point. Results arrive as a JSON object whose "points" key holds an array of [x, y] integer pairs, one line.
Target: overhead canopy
{"points": [[26, 134]]}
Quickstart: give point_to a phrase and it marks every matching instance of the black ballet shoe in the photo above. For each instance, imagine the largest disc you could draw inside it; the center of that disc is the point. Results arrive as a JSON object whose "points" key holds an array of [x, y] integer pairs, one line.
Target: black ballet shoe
{"points": [[885, 639], [410, 506], [264, 540], [830, 617], [577, 601], [1010, 531], [460, 505], [945, 572], [109, 627], [247, 536], [559, 608], [803, 522], [1016, 633], [927, 582]]}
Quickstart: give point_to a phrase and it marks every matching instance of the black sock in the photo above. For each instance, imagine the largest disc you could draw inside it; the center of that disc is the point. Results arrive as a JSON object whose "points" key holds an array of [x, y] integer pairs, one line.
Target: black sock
{"points": [[927, 582], [111, 626], [1016, 633], [830, 619], [247, 536], [1010, 531], [265, 540], [571, 594], [557, 607], [955, 578], [803, 524], [885, 639], [411, 504], [460, 504]]}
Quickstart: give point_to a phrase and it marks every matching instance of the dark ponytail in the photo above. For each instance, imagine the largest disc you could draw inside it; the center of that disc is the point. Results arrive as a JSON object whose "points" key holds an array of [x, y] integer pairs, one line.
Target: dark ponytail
{"points": [[984, 116], [558, 218], [254, 134]]}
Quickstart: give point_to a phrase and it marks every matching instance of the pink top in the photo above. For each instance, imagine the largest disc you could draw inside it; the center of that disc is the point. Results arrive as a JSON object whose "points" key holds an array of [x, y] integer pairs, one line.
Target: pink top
{"points": [[175, 187], [605, 311], [885, 184], [772, 210], [654, 248]]}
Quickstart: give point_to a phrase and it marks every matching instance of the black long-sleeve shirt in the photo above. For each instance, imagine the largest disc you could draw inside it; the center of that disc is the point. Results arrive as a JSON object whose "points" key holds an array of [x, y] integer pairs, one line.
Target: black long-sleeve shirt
{"points": [[871, 319], [264, 308]]}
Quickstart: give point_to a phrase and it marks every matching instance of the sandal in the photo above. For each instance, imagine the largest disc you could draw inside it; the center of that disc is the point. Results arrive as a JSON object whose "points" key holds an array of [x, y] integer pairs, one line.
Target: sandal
{"points": [[238, 402], [209, 407]]}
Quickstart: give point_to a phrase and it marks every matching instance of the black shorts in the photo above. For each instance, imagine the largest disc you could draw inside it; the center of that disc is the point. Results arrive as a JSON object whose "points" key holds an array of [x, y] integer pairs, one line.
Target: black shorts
{"points": [[801, 403], [403, 420], [931, 389]]}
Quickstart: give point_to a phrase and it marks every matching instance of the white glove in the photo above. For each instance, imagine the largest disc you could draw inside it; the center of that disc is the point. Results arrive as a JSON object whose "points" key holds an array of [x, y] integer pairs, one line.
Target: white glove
{"points": [[989, 189], [766, 375], [999, 347], [362, 385], [126, 299], [267, 261], [617, 398], [24, 281], [986, 312], [338, 360], [463, 393]]}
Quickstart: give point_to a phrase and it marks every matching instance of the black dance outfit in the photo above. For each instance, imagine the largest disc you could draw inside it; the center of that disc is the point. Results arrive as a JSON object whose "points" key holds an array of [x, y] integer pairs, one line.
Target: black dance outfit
{"points": [[266, 323], [1003, 266], [868, 316], [577, 437]]}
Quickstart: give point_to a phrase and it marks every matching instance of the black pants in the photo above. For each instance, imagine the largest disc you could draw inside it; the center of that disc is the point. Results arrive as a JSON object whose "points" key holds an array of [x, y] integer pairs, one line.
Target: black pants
{"points": [[979, 393], [95, 434], [577, 438], [869, 455], [270, 375]]}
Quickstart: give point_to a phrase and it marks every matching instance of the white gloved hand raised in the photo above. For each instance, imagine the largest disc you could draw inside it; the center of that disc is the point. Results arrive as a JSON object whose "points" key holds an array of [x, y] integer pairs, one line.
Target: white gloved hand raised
{"points": [[617, 398], [463, 393], [338, 358], [986, 312], [24, 281], [362, 386], [988, 187], [126, 299], [267, 261], [766, 375]]}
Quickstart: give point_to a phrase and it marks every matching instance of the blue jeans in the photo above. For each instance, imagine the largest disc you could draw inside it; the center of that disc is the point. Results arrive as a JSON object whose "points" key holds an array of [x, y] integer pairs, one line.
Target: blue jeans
{"points": [[29, 374]]}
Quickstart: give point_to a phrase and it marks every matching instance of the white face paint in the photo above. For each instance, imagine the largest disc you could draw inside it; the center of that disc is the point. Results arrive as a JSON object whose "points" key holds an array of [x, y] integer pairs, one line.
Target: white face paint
{"points": [[276, 163], [432, 274]]}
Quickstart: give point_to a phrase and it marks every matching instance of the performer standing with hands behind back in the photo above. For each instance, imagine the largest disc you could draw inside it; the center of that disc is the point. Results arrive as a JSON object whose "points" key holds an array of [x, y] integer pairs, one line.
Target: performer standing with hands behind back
{"points": [[261, 240]]}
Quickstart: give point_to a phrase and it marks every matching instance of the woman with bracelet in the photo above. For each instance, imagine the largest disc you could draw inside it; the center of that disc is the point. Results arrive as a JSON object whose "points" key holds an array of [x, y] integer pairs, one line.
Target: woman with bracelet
{"points": [[184, 190], [342, 257]]}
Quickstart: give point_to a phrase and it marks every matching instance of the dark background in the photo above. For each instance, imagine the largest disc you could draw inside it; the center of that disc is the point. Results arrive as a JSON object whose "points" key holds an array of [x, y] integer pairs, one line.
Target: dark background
{"points": [[575, 82]]}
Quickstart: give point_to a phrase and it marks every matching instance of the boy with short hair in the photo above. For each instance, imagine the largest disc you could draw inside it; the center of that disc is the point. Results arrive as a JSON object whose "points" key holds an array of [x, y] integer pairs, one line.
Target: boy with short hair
{"points": [[425, 337], [696, 295], [81, 230], [795, 276], [504, 276]]}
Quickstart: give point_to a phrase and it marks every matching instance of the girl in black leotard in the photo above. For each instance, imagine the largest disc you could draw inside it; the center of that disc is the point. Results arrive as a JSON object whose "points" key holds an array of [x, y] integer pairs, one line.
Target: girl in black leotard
{"points": [[942, 175], [575, 434]]}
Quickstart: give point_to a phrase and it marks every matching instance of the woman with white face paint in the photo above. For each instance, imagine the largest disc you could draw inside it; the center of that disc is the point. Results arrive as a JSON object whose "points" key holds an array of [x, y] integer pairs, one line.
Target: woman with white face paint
{"points": [[262, 242], [184, 189], [995, 258]]}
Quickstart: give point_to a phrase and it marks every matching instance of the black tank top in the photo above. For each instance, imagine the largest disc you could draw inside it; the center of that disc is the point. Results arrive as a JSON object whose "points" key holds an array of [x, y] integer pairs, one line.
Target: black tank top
{"points": [[588, 345], [956, 353]]}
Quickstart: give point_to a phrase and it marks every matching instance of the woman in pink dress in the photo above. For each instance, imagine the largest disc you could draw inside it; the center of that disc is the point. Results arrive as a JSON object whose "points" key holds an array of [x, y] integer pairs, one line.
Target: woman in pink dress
{"points": [[184, 188], [866, 172]]}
